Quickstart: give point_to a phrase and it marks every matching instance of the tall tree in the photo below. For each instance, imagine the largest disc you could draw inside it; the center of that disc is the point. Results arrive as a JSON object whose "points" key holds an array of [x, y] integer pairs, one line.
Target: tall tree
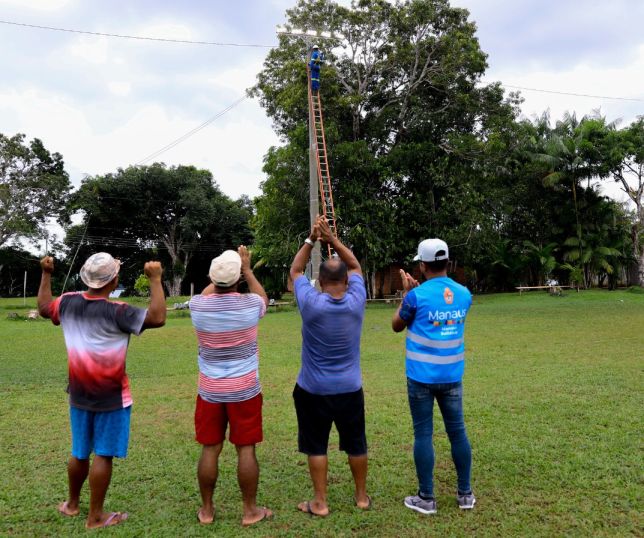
{"points": [[627, 151], [33, 187], [178, 210], [572, 154], [404, 117]]}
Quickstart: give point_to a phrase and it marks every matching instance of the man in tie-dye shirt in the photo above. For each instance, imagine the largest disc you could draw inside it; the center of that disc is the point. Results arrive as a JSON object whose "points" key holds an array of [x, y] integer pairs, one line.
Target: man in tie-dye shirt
{"points": [[97, 333], [229, 391]]}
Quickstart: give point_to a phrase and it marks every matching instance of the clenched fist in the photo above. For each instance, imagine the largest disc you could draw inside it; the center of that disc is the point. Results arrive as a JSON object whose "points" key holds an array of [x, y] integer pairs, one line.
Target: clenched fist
{"points": [[47, 264], [153, 270]]}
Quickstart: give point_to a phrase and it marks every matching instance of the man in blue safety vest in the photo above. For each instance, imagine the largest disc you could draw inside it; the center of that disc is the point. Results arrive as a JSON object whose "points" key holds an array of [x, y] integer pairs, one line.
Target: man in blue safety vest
{"points": [[317, 59], [434, 315]]}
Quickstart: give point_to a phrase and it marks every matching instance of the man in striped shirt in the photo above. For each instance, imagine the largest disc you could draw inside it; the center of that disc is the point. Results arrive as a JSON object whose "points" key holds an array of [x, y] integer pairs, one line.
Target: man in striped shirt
{"points": [[229, 390]]}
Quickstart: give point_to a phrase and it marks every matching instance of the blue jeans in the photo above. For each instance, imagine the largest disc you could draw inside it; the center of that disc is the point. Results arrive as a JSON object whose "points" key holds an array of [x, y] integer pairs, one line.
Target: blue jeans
{"points": [[450, 401]]}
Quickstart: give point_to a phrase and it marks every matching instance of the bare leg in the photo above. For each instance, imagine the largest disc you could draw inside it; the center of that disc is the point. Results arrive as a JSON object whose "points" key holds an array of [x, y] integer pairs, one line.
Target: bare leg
{"points": [[248, 478], [318, 468], [358, 466], [77, 471], [207, 472], [100, 474]]}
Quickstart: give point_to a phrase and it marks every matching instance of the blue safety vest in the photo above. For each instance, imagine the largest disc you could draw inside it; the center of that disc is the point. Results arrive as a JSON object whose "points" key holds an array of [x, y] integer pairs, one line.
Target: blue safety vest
{"points": [[435, 313]]}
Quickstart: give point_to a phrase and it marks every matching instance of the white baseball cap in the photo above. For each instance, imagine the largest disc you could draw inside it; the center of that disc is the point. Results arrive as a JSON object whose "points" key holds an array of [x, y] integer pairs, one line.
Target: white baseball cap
{"points": [[225, 269], [432, 250], [99, 270]]}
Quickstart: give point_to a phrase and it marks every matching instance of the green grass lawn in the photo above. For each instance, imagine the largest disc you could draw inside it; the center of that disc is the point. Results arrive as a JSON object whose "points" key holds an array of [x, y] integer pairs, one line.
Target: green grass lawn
{"points": [[553, 403]]}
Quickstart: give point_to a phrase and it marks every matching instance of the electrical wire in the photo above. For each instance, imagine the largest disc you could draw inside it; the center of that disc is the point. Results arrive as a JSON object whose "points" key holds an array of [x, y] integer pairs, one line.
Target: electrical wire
{"points": [[141, 38], [126, 242], [256, 45], [573, 94], [76, 254], [192, 132]]}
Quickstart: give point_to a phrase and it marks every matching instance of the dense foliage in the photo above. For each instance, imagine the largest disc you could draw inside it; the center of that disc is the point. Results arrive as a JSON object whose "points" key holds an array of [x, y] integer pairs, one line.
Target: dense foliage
{"points": [[175, 214], [419, 147], [33, 188]]}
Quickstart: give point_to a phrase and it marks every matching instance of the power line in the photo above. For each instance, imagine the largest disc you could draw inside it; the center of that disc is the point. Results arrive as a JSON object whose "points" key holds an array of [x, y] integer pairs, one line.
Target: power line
{"points": [[76, 254], [140, 38], [127, 243], [257, 45], [573, 94], [192, 132]]}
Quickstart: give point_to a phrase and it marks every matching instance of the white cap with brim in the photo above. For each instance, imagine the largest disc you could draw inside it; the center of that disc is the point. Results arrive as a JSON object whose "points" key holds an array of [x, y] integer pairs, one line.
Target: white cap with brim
{"points": [[432, 250], [225, 269], [99, 270]]}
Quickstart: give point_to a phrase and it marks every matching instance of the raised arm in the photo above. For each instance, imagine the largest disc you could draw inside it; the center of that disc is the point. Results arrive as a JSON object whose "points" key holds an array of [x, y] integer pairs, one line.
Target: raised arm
{"points": [[44, 291], [156, 314], [344, 252], [302, 257], [398, 323], [253, 284]]}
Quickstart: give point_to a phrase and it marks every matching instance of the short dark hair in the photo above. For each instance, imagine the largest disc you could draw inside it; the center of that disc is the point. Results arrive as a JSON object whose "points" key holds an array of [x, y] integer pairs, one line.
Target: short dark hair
{"points": [[333, 272], [227, 289], [436, 266]]}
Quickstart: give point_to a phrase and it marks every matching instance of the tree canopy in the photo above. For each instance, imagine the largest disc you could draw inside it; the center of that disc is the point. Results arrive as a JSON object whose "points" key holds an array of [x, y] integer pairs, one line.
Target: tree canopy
{"points": [[419, 147], [33, 188], [402, 104], [177, 213]]}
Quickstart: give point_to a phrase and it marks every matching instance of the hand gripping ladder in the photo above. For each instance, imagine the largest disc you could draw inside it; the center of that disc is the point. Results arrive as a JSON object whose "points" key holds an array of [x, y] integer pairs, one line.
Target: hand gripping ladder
{"points": [[324, 178]]}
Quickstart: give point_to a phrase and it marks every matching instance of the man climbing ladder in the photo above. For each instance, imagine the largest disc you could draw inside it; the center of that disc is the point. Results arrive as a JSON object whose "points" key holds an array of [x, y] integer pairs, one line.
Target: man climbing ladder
{"points": [[318, 142], [317, 59]]}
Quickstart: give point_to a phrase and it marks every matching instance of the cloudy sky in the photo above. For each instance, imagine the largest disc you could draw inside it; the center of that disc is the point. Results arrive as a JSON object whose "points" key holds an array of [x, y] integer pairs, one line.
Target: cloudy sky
{"points": [[106, 102]]}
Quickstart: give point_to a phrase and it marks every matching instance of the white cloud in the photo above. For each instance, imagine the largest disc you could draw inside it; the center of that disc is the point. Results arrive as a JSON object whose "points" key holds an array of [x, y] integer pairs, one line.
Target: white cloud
{"points": [[168, 30], [623, 81], [232, 147], [119, 88], [38, 5], [92, 49], [237, 78]]}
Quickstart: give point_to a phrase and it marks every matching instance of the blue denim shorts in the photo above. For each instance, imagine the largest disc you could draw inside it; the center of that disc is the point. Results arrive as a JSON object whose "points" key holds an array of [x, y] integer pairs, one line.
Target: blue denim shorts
{"points": [[106, 433]]}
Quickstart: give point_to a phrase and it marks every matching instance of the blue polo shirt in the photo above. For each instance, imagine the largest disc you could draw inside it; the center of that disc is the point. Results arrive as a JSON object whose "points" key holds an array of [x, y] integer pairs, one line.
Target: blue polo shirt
{"points": [[331, 331], [435, 314]]}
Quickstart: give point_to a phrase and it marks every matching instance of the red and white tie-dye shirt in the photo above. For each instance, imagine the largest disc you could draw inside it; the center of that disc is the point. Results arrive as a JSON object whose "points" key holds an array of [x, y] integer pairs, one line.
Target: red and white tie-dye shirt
{"points": [[97, 334]]}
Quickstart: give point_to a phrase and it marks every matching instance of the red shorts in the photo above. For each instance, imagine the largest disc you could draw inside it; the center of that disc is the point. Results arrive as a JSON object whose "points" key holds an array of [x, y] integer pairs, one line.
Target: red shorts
{"points": [[245, 420]]}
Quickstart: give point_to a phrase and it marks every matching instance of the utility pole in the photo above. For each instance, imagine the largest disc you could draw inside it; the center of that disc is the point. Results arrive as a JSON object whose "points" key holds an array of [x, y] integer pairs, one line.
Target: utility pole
{"points": [[314, 194]]}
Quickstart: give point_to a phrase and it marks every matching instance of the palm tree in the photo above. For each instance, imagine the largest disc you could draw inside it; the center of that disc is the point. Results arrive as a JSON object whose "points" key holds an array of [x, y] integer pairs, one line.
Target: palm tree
{"points": [[596, 260], [571, 153], [542, 258]]}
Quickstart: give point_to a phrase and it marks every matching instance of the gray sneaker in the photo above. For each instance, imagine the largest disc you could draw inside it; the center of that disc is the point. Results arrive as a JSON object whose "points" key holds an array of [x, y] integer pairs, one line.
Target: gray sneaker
{"points": [[466, 502], [421, 505]]}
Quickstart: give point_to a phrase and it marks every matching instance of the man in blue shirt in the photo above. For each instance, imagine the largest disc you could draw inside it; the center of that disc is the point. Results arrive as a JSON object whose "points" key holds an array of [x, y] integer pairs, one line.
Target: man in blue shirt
{"points": [[317, 58], [329, 385], [434, 315]]}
